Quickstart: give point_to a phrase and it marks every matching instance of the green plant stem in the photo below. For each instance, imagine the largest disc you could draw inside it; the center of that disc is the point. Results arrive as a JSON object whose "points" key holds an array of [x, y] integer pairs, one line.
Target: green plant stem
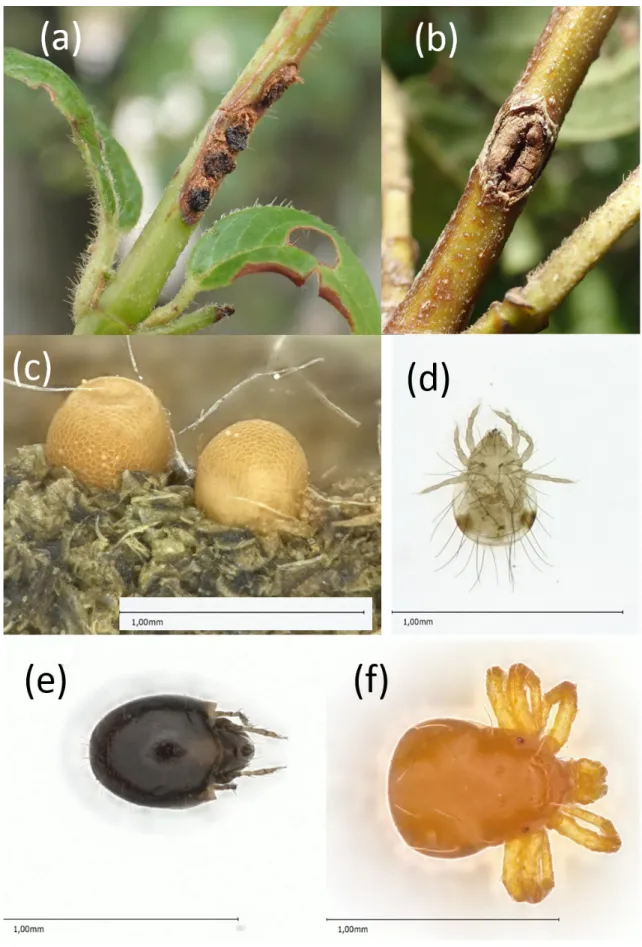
{"points": [[136, 286], [398, 249], [162, 315], [188, 323], [99, 261], [97, 323], [527, 309], [444, 292]]}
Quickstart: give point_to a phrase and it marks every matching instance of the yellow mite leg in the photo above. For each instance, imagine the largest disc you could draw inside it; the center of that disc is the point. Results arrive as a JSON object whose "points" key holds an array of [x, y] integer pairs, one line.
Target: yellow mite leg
{"points": [[565, 696], [525, 696], [528, 867], [496, 692], [589, 780], [568, 822]]}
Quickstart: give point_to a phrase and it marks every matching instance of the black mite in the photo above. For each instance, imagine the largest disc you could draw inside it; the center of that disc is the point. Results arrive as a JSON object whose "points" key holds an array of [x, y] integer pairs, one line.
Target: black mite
{"points": [[198, 200], [218, 163], [172, 752], [236, 137]]}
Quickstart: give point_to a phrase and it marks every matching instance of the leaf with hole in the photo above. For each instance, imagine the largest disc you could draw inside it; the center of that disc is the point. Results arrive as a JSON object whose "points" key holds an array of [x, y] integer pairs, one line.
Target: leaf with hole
{"points": [[263, 240]]}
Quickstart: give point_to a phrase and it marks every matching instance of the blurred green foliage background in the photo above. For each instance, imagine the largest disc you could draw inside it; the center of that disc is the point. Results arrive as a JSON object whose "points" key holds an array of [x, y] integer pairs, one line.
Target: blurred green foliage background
{"points": [[156, 74], [452, 105]]}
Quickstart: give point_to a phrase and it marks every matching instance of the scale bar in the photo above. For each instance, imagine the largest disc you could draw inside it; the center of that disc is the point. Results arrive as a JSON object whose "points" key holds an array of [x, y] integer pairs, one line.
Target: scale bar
{"points": [[162, 614], [397, 920], [505, 612], [125, 920]]}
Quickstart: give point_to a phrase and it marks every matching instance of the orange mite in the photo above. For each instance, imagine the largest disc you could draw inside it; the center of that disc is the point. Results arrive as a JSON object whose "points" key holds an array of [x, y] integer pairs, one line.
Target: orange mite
{"points": [[456, 787]]}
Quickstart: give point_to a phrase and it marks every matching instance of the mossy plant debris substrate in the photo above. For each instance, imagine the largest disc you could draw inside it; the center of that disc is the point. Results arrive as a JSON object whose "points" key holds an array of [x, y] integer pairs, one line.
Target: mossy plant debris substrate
{"points": [[72, 551]]}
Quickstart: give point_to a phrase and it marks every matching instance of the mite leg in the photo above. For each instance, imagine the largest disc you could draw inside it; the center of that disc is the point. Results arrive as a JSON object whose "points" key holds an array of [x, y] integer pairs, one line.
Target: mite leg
{"points": [[515, 436], [516, 698], [264, 733], [213, 788], [568, 821], [525, 695], [564, 698], [536, 476], [589, 780], [262, 772], [496, 692], [213, 712], [470, 434], [528, 867], [459, 450], [462, 478]]}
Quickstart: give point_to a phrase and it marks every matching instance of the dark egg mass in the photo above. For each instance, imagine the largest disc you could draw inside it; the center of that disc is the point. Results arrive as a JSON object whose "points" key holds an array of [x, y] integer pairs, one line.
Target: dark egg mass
{"points": [[168, 751]]}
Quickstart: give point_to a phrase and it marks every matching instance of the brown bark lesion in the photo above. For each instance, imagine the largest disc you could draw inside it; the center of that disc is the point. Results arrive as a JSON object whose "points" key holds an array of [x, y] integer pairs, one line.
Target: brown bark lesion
{"points": [[442, 295], [516, 152], [227, 136]]}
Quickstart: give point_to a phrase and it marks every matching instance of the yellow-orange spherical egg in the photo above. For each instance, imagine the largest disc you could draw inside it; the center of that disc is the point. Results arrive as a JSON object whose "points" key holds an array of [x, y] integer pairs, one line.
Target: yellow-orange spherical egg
{"points": [[252, 474], [106, 426]]}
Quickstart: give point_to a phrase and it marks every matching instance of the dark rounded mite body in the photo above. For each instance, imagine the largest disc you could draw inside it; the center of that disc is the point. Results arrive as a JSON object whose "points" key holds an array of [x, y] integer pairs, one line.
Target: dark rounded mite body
{"points": [[198, 200], [236, 137], [218, 163], [170, 751]]}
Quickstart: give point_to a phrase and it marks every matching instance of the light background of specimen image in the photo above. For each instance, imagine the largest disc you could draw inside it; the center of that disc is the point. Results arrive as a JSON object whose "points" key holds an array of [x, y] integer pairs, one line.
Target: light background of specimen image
{"points": [[578, 400], [372, 873], [155, 75], [452, 103], [332, 408], [77, 850]]}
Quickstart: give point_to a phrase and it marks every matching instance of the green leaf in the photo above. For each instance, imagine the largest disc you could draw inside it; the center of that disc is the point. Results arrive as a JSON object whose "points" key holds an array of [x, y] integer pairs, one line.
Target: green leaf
{"points": [[450, 130], [492, 51], [263, 240], [608, 102], [494, 45], [129, 193], [117, 186]]}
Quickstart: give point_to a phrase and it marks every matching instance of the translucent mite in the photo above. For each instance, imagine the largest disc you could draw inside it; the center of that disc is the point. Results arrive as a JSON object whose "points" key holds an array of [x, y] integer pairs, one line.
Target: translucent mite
{"points": [[494, 504]]}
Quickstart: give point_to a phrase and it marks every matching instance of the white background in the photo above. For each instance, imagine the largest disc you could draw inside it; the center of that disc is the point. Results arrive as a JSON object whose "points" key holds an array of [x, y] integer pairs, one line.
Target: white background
{"points": [[577, 397], [73, 849], [69, 846], [372, 873]]}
